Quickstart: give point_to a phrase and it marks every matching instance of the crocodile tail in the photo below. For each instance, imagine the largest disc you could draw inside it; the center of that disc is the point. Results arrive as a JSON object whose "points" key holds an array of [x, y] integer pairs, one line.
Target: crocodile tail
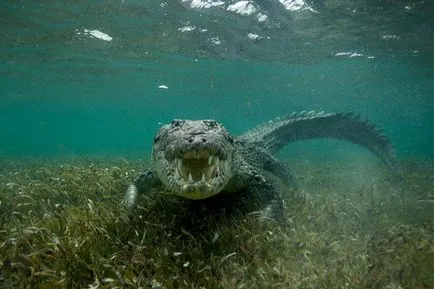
{"points": [[309, 125]]}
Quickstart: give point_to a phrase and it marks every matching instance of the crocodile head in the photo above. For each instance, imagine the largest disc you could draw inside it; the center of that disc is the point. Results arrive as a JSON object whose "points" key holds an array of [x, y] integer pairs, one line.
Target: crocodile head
{"points": [[193, 158]]}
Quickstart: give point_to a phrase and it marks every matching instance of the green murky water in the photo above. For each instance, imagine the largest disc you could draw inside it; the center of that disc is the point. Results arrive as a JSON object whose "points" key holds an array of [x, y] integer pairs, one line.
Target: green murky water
{"points": [[67, 90]]}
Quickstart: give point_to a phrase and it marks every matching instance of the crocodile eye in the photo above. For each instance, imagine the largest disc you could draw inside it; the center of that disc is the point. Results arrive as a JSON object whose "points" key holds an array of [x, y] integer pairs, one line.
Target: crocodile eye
{"points": [[211, 123], [177, 122]]}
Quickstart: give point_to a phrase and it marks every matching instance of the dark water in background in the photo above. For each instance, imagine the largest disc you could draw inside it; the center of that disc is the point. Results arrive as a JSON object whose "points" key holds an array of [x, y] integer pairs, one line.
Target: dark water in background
{"points": [[65, 92]]}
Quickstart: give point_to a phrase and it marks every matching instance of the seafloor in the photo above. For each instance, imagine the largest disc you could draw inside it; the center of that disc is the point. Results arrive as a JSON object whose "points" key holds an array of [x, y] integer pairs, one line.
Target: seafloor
{"points": [[62, 226]]}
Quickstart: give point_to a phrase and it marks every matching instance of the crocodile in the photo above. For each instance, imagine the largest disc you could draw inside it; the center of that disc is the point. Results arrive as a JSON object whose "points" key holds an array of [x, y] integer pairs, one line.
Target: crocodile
{"points": [[199, 159]]}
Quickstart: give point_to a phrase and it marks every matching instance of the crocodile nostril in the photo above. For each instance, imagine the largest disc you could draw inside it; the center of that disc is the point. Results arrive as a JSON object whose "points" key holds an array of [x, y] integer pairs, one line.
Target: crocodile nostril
{"points": [[196, 140]]}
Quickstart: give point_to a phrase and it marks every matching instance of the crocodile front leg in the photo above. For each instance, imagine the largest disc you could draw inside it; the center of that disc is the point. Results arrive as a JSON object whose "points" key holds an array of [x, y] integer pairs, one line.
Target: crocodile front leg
{"points": [[266, 190], [262, 189], [145, 182]]}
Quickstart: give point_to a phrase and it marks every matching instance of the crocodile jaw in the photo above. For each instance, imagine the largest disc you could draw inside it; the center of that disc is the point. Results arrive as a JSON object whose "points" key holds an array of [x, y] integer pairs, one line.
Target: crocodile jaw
{"points": [[194, 174]]}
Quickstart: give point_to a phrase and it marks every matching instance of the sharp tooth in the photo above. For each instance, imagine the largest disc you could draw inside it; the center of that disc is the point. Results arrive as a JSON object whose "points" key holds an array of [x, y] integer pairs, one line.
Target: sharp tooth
{"points": [[190, 178], [179, 164], [210, 159], [177, 175], [203, 177], [216, 161], [184, 187]]}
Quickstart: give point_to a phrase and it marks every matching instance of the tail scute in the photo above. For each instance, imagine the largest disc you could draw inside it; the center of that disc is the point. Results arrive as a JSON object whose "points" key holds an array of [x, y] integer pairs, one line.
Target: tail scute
{"points": [[310, 125]]}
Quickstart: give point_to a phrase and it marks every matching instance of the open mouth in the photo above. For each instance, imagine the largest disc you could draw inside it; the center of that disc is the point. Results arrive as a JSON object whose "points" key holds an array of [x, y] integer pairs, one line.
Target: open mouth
{"points": [[198, 171]]}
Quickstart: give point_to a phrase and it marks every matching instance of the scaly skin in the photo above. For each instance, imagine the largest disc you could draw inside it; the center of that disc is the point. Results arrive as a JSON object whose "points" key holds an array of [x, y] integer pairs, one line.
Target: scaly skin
{"points": [[197, 159]]}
